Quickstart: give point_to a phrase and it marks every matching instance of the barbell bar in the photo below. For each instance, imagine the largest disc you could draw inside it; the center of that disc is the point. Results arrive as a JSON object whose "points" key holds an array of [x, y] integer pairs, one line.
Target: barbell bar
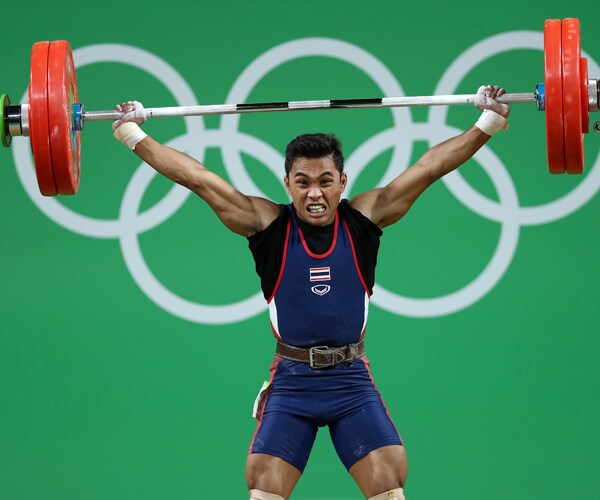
{"points": [[53, 118], [378, 102]]}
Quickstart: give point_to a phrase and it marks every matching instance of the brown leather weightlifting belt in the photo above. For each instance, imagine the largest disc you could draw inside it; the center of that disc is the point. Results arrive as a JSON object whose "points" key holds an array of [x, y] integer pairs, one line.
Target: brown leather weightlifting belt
{"points": [[322, 356]]}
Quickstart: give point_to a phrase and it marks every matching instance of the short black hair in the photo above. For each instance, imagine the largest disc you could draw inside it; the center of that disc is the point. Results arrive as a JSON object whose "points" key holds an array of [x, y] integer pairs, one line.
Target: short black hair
{"points": [[314, 146]]}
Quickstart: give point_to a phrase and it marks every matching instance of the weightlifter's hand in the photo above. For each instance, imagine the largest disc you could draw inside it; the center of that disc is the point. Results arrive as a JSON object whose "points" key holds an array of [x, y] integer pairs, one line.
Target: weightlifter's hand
{"points": [[126, 129], [486, 99], [495, 114], [134, 112]]}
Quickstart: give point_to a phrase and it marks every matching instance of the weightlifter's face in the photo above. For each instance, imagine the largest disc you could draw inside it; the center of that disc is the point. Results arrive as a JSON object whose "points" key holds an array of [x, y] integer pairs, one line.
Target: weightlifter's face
{"points": [[316, 188]]}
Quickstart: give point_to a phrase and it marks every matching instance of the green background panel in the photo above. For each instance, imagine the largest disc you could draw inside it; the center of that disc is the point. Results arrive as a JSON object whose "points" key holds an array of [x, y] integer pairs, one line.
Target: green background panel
{"points": [[104, 393]]}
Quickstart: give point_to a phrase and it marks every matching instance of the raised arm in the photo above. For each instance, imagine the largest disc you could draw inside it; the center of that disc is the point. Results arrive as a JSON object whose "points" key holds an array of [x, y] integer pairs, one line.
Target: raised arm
{"points": [[242, 214], [386, 205]]}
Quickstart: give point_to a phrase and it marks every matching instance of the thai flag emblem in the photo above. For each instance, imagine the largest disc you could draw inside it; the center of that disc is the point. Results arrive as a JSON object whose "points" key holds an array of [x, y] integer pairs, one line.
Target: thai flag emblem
{"points": [[320, 274]]}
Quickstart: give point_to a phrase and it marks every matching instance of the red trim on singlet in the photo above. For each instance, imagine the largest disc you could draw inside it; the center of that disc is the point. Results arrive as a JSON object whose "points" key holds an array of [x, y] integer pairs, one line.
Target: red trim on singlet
{"points": [[285, 248], [321, 256], [362, 280], [362, 334], [272, 370], [367, 363]]}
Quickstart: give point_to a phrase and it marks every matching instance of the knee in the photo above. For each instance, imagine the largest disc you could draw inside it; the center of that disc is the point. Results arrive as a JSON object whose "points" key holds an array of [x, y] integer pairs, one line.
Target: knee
{"points": [[265, 473], [262, 474], [259, 476], [252, 473], [382, 470], [390, 470], [388, 477]]}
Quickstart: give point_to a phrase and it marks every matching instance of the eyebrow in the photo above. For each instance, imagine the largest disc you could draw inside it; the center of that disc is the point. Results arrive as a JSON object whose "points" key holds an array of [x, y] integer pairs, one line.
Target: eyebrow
{"points": [[324, 174]]}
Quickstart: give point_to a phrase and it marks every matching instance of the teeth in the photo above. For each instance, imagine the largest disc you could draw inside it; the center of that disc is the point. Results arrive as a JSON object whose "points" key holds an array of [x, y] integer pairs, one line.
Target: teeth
{"points": [[315, 209]]}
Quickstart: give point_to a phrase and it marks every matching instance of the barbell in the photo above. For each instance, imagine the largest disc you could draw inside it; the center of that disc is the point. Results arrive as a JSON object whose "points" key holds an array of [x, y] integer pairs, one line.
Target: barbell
{"points": [[53, 118]]}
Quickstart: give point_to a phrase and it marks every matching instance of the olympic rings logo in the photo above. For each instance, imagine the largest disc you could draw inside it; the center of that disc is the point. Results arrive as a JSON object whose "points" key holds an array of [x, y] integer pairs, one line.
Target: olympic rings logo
{"points": [[233, 142]]}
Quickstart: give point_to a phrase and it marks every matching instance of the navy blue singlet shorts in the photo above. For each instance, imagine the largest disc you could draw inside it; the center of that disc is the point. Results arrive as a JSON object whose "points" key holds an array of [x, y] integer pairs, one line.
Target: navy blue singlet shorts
{"points": [[301, 399]]}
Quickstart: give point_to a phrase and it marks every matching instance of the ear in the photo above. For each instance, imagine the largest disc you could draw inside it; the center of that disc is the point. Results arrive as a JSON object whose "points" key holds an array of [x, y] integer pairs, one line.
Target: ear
{"points": [[343, 181], [286, 182]]}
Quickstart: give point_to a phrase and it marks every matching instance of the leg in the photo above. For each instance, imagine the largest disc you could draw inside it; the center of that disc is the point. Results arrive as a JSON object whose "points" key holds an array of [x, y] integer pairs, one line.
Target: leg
{"points": [[279, 452], [381, 470], [369, 445], [271, 474]]}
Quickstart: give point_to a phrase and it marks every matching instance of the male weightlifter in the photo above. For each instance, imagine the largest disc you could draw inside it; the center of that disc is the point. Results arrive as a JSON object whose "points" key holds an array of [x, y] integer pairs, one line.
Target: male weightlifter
{"points": [[316, 260]]}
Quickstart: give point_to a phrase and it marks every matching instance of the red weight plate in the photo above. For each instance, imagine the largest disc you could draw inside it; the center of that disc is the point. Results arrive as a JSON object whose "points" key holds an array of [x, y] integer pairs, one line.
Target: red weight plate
{"points": [[62, 93], [585, 110], [555, 145], [571, 47], [38, 118]]}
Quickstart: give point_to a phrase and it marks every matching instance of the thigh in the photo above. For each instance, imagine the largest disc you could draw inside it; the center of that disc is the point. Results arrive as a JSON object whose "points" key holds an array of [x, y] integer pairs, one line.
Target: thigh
{"points": [[367, 428], [286, 436], [381, 470], [279, 452]]}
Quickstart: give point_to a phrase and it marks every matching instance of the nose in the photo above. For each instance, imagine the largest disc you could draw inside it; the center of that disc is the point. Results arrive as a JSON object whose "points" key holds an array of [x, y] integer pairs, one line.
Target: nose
{"points": [[315, 193]]}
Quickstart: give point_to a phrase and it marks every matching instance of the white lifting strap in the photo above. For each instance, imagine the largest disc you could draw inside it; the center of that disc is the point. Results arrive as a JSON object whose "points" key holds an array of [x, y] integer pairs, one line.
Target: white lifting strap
{"points": [[263, 495], [396, 494]]}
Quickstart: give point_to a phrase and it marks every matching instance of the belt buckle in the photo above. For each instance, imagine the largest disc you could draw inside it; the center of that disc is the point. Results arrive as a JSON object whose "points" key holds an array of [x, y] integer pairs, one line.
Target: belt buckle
{"points": [[319, 349]]}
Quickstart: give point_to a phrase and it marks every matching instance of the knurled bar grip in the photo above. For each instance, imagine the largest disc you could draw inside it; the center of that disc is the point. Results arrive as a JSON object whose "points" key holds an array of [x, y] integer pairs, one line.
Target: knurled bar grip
{"points": [[380, 102]]}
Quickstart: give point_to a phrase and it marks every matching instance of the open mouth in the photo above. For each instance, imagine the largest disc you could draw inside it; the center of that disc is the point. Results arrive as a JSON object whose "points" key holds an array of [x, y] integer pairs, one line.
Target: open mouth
{"points": [[316, 209]]}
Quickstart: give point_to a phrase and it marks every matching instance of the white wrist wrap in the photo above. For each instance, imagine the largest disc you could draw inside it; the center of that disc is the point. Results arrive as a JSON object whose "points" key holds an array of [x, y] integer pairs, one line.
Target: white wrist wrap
{"points": [[130, 134], [490, 122], [263, 495]]}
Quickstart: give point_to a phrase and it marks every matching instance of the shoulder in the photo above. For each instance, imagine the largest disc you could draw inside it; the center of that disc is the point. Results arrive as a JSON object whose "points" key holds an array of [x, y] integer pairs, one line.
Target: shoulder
{"points": [[276, 227], [356, 219]]}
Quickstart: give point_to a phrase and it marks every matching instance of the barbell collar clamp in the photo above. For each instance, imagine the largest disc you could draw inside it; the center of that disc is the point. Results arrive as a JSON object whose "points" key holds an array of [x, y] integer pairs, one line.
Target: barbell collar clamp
{"points": [[13, 118], [77, 116], [540, 97], [25, 120], [593, 95], [17, 119]]}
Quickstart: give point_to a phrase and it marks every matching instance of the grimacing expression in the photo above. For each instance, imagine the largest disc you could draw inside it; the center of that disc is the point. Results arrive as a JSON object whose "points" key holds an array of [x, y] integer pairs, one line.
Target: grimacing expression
{"points": [[316, 188]]}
